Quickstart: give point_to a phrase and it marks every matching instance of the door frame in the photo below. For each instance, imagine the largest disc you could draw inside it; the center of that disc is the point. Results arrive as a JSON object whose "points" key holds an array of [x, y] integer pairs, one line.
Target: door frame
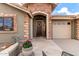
{"points": [[31, 23]]}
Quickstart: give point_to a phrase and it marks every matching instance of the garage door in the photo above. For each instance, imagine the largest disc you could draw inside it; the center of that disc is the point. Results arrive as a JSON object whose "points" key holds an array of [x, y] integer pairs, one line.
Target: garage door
{"points": [[61, 29]]}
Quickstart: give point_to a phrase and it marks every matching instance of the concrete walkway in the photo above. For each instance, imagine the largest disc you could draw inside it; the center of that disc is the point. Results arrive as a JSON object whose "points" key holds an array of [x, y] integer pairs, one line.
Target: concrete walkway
{"points": [[47, 46], [68, 45]]}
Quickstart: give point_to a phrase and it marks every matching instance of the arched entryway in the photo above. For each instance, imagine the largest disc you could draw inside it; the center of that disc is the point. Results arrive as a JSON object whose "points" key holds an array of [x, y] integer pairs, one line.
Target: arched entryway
{"points": [[39, 25]]}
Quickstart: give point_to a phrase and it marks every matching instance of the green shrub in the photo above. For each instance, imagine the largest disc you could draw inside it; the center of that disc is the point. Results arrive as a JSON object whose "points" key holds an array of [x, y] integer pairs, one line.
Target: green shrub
{"points": [[27, 44]]}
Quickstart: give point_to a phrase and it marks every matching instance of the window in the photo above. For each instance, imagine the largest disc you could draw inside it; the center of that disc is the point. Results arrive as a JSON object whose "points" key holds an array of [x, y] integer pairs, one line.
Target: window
{"points": [[6, 24]]}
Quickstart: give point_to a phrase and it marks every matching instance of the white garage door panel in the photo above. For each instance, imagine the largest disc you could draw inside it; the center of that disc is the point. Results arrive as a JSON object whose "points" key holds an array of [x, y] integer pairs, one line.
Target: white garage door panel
{"points": [[61, 29]]}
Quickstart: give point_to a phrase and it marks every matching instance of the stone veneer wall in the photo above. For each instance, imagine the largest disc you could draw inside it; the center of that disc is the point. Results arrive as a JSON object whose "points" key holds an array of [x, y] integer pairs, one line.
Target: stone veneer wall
{"points": [[36, 7], [26, 27], [40, 7], [77, 29], [46, 8]]}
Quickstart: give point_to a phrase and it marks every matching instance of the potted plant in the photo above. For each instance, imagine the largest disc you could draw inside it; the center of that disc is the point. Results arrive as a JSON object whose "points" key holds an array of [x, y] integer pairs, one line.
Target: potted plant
{"points": [[27, 48]]}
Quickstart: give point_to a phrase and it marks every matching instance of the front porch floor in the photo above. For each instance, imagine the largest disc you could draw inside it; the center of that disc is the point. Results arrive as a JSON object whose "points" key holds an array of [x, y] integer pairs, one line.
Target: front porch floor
{"points": [[49, 47], [55, 47]]}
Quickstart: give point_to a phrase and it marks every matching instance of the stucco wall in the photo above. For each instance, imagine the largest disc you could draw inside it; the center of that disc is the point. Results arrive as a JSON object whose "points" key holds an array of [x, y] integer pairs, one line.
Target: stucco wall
{"points": [[19, 19]]}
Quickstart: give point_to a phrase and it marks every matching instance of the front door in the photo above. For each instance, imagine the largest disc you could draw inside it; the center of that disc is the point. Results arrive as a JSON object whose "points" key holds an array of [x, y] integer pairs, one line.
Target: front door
{"points": [[40, 28]]}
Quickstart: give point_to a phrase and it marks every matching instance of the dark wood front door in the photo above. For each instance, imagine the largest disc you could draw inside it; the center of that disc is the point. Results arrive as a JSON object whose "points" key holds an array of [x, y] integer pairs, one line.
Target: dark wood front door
{"points": [[40, 28]]}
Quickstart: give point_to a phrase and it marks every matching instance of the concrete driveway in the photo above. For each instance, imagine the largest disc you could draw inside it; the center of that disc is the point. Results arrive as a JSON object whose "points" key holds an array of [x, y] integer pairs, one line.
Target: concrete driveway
{"points": [[68, 45]]}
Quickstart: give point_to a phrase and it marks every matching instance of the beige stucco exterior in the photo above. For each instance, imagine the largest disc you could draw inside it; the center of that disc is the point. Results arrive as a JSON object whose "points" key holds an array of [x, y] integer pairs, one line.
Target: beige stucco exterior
{"points": [[20, 18], [24, 20]]}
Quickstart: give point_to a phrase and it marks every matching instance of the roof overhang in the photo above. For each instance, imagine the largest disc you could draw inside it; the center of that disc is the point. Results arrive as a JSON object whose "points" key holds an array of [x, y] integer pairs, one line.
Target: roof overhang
{"points": [[19, 8], [54, 5], [77, 16], [63, 17]]}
